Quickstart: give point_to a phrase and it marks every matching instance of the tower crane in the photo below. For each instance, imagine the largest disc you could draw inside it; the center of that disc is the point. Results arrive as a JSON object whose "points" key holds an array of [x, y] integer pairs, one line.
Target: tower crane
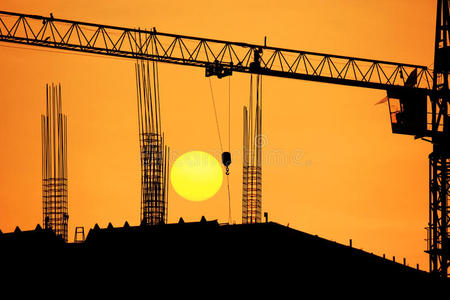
{"points": [[409, 87]]}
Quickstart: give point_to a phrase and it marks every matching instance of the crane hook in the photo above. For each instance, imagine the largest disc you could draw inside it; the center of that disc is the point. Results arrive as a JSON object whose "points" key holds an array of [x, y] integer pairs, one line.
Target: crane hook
{"points": [[226, 160]]}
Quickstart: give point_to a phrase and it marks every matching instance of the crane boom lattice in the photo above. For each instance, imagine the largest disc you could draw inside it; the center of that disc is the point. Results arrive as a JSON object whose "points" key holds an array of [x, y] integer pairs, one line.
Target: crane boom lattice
{"points": [[218, 57]]}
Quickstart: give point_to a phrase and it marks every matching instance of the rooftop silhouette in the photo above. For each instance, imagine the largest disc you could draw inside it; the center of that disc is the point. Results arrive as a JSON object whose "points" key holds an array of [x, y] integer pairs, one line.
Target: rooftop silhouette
{"points": [[261, 251]]}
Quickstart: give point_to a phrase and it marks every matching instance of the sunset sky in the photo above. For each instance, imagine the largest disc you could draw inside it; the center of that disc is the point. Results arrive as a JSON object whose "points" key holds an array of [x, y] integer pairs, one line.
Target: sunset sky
{"points": [[331, 165]]}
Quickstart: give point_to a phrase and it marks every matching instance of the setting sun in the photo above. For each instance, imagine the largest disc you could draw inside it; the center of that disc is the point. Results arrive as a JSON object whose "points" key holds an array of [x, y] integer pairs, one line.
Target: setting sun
{"points": [[196, 176]]}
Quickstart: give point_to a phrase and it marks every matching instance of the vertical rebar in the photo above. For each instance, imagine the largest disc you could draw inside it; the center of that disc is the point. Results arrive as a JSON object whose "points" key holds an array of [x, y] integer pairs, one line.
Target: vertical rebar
{"points": [[252, 162], [54, 164], [154, 153]]}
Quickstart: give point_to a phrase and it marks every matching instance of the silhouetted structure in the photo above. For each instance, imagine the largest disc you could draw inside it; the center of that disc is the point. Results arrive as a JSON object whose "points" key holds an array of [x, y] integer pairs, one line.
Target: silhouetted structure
{"points": [[79, 236], [439, 159], [218, 57], [30, 241], [154, 154], [207, 252], [252, 169], [54, 164], [222, 58]]}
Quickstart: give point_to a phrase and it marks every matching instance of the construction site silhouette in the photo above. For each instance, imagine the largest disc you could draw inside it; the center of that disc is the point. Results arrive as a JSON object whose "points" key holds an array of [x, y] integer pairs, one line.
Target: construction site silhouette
{"points": [[256, 253], [260, 252]]}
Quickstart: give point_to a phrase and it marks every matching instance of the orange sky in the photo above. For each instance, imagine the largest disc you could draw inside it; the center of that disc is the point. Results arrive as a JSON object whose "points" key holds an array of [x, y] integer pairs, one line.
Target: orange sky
{"points": [[331, 165]]}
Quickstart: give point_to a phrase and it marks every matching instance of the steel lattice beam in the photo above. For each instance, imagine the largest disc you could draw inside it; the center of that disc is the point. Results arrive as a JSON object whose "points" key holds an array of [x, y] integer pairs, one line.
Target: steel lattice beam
{"points": [[439, 211], [218, 57]]}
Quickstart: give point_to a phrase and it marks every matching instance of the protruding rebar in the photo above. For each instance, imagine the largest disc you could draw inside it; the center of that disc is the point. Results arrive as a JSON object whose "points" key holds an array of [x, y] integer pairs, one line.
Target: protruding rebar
{"points": [[54, 164], [252, 145], [154, 153]]}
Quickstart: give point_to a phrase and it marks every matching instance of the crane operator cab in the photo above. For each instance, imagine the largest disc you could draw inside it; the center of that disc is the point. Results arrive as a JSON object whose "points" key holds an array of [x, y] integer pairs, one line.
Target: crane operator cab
{"points": [[408, 109]]}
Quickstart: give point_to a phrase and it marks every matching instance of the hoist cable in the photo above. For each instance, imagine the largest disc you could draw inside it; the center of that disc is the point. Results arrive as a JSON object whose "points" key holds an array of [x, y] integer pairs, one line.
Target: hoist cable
{"points": [[229, 114], [215, 114], [220, 139], [229, 146]]}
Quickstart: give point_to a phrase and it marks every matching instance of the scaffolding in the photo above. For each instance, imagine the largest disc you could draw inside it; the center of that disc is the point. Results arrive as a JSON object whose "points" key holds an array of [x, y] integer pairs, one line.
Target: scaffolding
{"points": [[54, 164], [154, 152], [252, 144]]}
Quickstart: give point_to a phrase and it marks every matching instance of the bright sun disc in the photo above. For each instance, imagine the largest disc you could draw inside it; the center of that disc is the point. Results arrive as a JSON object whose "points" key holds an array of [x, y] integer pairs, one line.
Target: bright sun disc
{"points": [[196, 176]]}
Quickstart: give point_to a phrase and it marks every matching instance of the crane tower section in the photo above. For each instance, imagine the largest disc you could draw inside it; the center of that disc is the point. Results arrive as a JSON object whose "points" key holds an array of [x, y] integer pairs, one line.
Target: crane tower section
{"points": [[439, 159]]}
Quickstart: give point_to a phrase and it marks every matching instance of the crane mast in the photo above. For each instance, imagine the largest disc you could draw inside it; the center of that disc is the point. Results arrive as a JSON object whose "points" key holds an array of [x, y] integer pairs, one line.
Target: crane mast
{"points": [[439, 159], [411, 86]]}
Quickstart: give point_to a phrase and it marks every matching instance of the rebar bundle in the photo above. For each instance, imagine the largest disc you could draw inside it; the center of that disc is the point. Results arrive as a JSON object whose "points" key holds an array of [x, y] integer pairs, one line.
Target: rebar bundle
{"points": [[252, 144], [54, 164], [154, 153]]}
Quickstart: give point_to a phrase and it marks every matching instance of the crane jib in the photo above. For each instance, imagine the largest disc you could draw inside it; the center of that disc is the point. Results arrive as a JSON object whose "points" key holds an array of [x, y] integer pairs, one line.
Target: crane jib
{"points": [[218, 57]]}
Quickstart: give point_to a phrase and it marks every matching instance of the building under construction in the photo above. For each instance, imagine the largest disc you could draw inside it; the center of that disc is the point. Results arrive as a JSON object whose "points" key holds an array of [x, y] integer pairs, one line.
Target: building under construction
{"points": [[154, 152], [422, 112], [54, 164], [269, 256]]}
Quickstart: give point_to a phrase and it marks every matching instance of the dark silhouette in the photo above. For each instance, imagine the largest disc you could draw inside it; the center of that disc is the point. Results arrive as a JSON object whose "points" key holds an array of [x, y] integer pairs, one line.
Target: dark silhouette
{"points": [[154, 152], [259, 252], [54, 164], [226, 160], [223, 58]]}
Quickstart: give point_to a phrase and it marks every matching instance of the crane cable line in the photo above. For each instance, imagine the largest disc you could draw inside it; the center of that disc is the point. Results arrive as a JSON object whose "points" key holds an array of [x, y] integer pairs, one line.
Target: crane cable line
{"points": [[215, 114], [226, 156], [229, 147]]}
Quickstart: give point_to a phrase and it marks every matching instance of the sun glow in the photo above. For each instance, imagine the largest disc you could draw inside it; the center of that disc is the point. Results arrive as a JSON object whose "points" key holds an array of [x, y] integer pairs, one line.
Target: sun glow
{"points": [[196, 176]]}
